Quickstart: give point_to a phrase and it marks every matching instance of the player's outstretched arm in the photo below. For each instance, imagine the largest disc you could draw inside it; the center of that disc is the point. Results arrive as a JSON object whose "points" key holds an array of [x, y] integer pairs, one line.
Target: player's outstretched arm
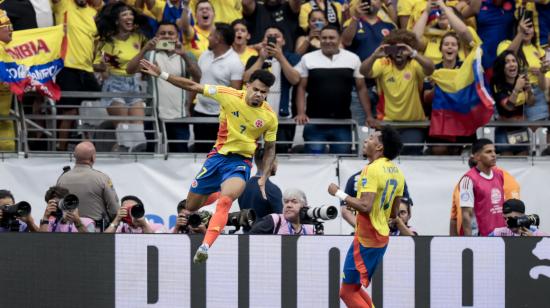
{"points": [[364, 204], [269, 157], [187, 84]]}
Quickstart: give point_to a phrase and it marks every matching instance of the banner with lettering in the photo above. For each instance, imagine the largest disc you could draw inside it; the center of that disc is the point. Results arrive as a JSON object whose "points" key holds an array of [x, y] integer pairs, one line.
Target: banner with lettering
{"points": [[32, 59]]}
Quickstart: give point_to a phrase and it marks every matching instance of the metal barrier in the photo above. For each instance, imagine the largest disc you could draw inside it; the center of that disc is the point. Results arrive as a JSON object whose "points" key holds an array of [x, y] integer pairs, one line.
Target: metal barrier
{"points": [[27, 125]]}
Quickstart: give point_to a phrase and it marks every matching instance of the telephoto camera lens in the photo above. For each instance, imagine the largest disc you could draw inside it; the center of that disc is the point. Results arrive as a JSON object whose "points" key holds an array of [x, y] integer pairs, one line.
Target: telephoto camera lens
{"points": [[137, 211], [69, 203], [325, 212]]}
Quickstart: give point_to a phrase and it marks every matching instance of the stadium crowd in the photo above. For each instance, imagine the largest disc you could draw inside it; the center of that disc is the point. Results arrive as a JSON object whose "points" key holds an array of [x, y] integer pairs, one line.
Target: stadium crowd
{"points": [[368, 60]]}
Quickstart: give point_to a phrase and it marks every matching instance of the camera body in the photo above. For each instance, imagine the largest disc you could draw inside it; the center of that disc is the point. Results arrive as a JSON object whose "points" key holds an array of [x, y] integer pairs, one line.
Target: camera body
{"points": [[68, 204], [10, 213], [523, 221], [244, 218], [195, 220]]}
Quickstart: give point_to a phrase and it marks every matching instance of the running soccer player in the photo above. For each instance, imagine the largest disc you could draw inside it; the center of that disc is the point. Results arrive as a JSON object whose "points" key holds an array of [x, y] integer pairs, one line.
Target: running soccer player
{"points": [[380, 188], [245, 116]]}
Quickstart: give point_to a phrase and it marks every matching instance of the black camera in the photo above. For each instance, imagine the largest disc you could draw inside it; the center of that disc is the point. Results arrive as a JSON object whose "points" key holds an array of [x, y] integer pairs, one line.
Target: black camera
{"points": [[67, 204], [244, 218], [196, 219], [10, 213], [523, 221]]}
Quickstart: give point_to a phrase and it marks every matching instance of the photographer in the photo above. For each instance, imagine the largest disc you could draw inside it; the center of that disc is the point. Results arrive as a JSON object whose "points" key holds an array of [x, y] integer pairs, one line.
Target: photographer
{"points": [[400, 224], [287, 223], [131, 218], [183, 224], [25, 223], [56, 219], [513, 211]]}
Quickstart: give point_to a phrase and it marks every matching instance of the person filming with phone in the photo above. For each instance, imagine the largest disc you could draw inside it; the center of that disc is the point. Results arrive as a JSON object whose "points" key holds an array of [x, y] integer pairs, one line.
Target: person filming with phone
{"points": [[166, 50], [399, 70]]}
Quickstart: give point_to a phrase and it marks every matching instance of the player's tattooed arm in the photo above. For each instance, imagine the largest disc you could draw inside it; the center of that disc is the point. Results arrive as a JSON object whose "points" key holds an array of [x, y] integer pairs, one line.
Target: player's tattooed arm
{"points": [[269, 157]]}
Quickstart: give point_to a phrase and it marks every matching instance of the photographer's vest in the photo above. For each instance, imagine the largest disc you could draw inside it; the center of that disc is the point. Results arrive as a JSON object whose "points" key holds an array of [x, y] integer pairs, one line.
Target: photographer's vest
{"points": [[488, 200], [283, 227]]}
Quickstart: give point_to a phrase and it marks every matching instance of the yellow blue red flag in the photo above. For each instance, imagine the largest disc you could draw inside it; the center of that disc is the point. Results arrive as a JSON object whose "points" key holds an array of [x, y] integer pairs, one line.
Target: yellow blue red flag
{"points": [[462, 103], [32, 59]]}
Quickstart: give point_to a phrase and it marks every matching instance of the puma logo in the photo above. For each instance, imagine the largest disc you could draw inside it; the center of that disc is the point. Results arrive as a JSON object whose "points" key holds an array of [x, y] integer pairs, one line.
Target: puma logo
{"points": [[541, 251]]}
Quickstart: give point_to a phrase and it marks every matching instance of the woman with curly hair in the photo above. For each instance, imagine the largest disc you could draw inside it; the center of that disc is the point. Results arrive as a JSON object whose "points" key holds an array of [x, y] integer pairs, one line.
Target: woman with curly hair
{"points": [[120, 40]]}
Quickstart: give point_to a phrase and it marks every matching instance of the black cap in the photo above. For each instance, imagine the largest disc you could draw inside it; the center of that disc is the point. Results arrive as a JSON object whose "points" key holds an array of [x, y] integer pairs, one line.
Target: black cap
{"points": [[513, 205], [130, 197]]}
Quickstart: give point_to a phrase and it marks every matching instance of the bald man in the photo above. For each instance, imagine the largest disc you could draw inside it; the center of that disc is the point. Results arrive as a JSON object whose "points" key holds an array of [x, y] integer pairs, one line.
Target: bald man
{"points": [[98, 199]]}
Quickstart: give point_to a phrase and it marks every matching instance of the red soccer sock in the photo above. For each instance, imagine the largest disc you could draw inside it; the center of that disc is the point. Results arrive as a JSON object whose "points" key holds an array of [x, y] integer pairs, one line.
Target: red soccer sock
{"points": [[218, 220], [351, 295], [212, 198]]}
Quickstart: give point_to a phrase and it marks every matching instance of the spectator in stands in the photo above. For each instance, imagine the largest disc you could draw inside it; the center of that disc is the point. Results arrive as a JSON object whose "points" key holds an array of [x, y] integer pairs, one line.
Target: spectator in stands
{"points": [[282, 14], [196, 36], [125, 223], [172, 102], [281, 64], [446, 41], [430, 33], [23, 224], [120, 40], [7, 130], [404, 11], [240, 45], [327, 76], [28, 14], [220, 65], [168, 11], [331, 9], [511, 191], [77, 75], [511, 209], [529, 56], [481, 191], [495, 23], [399, 71], [227, 10], [287, 223], [68, 221], [252, 198], [94, 189], [311, 41], [182, 222], [362, 34], [400, 224], [386, 13], [512, 92]]}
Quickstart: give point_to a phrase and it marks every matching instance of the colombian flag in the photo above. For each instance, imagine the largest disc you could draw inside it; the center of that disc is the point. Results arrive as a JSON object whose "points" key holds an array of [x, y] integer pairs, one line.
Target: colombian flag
{"points": [[32, 59], [461, 102]]}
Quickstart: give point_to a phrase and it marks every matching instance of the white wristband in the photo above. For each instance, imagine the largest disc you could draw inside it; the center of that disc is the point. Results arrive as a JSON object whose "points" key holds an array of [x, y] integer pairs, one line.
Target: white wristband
{"points": [[341, 195], [414, 54], [164, 75]]}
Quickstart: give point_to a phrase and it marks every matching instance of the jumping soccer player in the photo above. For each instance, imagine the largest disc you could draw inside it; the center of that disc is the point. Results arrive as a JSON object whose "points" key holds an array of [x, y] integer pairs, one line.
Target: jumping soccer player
{"points": [[379, 191], [245, 116]]}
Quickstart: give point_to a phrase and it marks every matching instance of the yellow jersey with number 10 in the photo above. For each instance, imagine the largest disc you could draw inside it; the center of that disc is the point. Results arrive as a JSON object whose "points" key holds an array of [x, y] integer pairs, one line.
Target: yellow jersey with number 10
{"points": [[241, 125]]}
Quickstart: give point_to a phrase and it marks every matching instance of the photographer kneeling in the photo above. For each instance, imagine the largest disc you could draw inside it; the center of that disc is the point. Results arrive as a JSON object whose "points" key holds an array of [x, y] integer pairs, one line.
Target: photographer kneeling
{"points": [[190, 222], [61, 214], [15, 217], [287, 223], [131, 218], [518, 224]]}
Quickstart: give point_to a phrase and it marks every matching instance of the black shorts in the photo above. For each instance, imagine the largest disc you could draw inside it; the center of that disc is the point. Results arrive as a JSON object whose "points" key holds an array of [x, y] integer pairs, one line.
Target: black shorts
{"points": [[70, 79]]}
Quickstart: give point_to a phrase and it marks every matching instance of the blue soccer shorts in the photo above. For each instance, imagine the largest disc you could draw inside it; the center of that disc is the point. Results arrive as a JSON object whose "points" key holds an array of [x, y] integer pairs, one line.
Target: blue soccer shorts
{"points": [[361, 263], [218, 168]]}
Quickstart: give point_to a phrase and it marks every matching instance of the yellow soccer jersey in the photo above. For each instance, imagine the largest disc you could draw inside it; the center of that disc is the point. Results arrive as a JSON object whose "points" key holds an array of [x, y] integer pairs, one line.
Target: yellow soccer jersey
{"points": [[383, 178], [226, 10], [241, 125], [116, 54], [247, 54], [197, 43], [81, 32], [398, 90]]}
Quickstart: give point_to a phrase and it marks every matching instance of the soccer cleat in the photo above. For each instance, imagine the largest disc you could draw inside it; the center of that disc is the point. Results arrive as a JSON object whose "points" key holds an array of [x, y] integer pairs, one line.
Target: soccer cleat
{"points": [[201, 255]]}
